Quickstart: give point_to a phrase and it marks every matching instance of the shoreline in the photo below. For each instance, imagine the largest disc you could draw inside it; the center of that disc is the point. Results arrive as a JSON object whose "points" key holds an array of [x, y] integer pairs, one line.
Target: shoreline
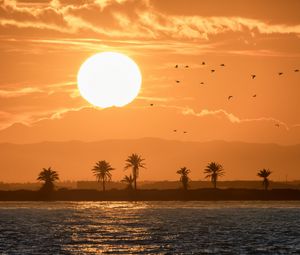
{"points": [[154, 195]]}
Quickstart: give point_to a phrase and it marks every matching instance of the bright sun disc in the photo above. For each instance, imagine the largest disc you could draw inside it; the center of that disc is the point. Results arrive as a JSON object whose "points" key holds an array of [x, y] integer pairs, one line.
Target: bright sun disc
{"points": [[109, 79]]}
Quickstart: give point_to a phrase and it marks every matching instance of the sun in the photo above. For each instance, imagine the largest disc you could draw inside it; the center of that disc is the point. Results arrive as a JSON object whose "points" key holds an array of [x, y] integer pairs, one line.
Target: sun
{"points": [[109, 79]]}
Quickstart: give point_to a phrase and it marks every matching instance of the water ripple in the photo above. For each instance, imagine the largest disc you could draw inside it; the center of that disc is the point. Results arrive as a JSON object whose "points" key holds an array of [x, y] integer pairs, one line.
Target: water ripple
{"points": [[150, 228]]}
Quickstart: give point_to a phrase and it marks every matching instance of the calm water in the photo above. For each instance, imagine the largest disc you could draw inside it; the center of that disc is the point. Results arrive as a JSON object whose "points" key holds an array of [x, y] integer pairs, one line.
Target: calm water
{"points": [[150, 228]]}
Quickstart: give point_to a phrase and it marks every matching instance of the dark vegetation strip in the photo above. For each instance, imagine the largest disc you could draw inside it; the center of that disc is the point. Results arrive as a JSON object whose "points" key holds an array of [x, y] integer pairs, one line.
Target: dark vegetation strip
{"points": [[152, 195]]}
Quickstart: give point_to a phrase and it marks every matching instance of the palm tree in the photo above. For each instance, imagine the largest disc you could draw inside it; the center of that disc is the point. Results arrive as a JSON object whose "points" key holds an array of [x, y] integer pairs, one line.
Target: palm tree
{"points": [[265, 173], [135, 162], [213, 171], [102, 172], [184, 178], [48, 176], [129, 181]]}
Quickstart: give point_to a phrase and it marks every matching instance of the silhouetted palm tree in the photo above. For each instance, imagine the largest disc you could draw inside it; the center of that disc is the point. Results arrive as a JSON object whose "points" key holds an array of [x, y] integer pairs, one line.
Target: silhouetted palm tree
{"points": [[135, 162], [265, 173], [102, 172], [129, 181], [184, 178], [48, 176], [213, 171]]}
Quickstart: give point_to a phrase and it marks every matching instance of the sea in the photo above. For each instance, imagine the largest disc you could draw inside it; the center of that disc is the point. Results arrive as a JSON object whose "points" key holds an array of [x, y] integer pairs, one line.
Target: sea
{"points": [[237, 227]]}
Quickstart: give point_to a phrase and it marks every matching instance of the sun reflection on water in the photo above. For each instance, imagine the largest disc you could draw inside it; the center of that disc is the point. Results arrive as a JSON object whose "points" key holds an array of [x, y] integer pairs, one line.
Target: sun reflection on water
{"points": [[149, 227]]}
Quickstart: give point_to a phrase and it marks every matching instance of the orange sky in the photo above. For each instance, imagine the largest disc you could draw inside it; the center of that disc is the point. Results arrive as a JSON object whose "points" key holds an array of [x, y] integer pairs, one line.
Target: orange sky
{"points": [[43, 43]]}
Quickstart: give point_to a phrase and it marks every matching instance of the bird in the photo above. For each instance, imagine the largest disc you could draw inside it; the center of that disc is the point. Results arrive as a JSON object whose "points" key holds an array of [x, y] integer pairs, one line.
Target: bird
{"points": [[222, 65], [151, 104], [186, 66], [253, 76], [176, 66], [175, 130], [280, 73], [254, 95], [201, 82], [296, 70], [203, 63], [277, 125], [212, 70], [177, 81], [230, 97], [184, 132]]}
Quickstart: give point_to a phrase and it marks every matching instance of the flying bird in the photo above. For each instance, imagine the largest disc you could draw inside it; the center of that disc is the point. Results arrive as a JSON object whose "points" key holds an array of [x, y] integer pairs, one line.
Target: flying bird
{"points": [[277, 125], [175, 130], [203, 63], [151, 104], [253, 76], [186, 66], [184, 132], [201, 82], [254, 95], [177, 81], [296, 70], [280, 73], [176, 66], [212, 70], [222, 65], [230, 97]]}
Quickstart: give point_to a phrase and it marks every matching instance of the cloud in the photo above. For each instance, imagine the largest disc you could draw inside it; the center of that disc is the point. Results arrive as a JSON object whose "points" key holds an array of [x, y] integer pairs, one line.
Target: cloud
{"points": [[163, 99], [22, 105], [217, 113], [130, 19], [8, 119], [19, 92], [59, 113], [138, 47], [30, 24], [94, 124], [49, 89], [220, 113], [30, 118], [262, 53], [156, 99]]}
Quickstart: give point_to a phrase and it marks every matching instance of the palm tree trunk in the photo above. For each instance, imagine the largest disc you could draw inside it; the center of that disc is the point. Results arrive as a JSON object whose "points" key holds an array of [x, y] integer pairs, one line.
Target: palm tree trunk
{"points": [[134, 183], [134, 177], [215, 184], [265, 183], [103, 185]]}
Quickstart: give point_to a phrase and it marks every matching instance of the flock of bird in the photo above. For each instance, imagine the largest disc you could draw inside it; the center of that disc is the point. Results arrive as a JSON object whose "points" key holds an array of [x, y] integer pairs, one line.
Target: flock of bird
{"points": [[252, 76]]}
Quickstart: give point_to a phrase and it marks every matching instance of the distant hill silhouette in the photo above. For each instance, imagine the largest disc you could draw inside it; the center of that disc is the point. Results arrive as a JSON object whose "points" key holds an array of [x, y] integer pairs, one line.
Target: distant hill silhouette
{"points": [[74, 160]]}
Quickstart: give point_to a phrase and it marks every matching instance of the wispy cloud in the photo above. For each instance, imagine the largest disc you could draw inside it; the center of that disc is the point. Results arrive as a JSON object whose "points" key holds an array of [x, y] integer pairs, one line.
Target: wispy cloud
{"points": [[64, 87], [128, 45], [155, 99], [19, 92], [220, 113], [59, 113], [31, 118], [163, 99], [232, 118]]}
